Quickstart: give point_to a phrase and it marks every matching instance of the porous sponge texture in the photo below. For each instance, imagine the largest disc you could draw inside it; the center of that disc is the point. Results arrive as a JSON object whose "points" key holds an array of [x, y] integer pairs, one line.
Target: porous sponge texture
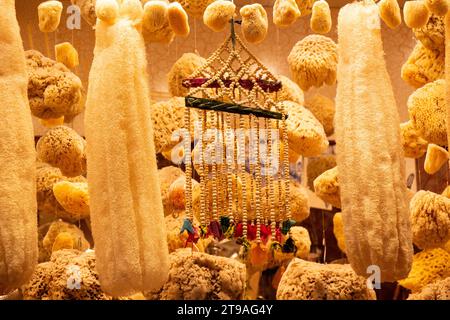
{"points": [[323, 109], [414, 146], [200, 276], [53, 90], [326, 187], [305, 133], [313, 61], [51, 279], [73, 197], [304, 280], [432, 35], [195, 8], [64, 148], [423, 66], [182, 69], [428, 266], [290, 91], [427, 111], [430, 219]]}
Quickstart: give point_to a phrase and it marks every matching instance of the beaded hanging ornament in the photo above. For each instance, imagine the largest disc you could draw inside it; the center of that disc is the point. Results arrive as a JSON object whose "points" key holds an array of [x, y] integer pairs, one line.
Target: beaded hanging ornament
{"points": [[241, 154]]}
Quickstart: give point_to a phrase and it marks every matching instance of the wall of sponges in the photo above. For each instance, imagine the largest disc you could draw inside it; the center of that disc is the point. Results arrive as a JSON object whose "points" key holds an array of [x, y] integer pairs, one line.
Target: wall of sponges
{"points": [[272, 52]]}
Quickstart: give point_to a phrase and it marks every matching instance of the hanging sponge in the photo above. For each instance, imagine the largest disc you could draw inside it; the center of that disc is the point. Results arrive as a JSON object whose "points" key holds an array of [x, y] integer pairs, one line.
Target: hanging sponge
{"points": [[155, 23], [321, 17], [390, 13], [413, 145], [285, 13], [67, 54], [218, 14], [49, 13], [107, 10], [415, 14], [254, 23], [178, 19]]}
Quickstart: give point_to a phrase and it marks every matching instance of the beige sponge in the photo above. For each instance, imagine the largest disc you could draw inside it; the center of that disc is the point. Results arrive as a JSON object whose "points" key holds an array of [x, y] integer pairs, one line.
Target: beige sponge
{"points": [[67, 54], [285, 13], [435, 159], [254, 22], [218, 14], [178, 19], [438, 7], [321, 17], [49, 13]]}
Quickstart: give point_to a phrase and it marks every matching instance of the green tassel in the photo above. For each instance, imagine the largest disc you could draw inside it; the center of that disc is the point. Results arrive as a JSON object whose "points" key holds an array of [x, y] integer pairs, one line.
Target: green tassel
{"points": [[289, 246], [287, 225], [224, 223]]}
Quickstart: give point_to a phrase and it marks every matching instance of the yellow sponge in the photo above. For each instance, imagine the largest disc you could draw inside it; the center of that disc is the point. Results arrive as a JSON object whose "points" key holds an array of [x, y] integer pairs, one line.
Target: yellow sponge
{"points": [[218, 15], [415, 14], [50, 123], [49, 13], [435, 158], [428, 266], [285, 13], [321, 17], [390, 13], [64, 240], [73, 197], [438, 7], [178, 19], [107, 10], [67, 54], [254, 22], [338, 230]]}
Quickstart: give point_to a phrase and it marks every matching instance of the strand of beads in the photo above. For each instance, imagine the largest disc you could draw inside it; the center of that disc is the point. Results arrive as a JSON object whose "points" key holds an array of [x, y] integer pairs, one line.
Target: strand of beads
{"points": [[188, 165]]}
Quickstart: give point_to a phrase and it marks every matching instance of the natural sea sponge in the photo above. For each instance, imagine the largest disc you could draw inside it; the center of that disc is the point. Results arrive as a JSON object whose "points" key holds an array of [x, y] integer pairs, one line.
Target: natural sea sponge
{"points": [[414, 146], [320, 17], [435, 159], [73, 197], [415, 14], [18, 226], [432, 35], [439, 290], [126, 210], [69, 275], [304, 280], [56, 228], [285, 13], [67, 55], [428, 267], [184, 67], [200, 276], [64, 148], [390, 13], [155, 23], [254, 22], [46, 177], [376, 218], [305, 6], [326, 187], [167, 176], [87, 9], [107, 10], [51, 123], [318, 165], [290, 91], [323, 109], [338, 230], [423, 66], [49, 13], [437, 7], [178, 19], [53, 90], [218, 14], [427, 111], [305, 133], [194, 8], [313, 61], [430, 219], [302, 241], [168, 118], [298, 201]]}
